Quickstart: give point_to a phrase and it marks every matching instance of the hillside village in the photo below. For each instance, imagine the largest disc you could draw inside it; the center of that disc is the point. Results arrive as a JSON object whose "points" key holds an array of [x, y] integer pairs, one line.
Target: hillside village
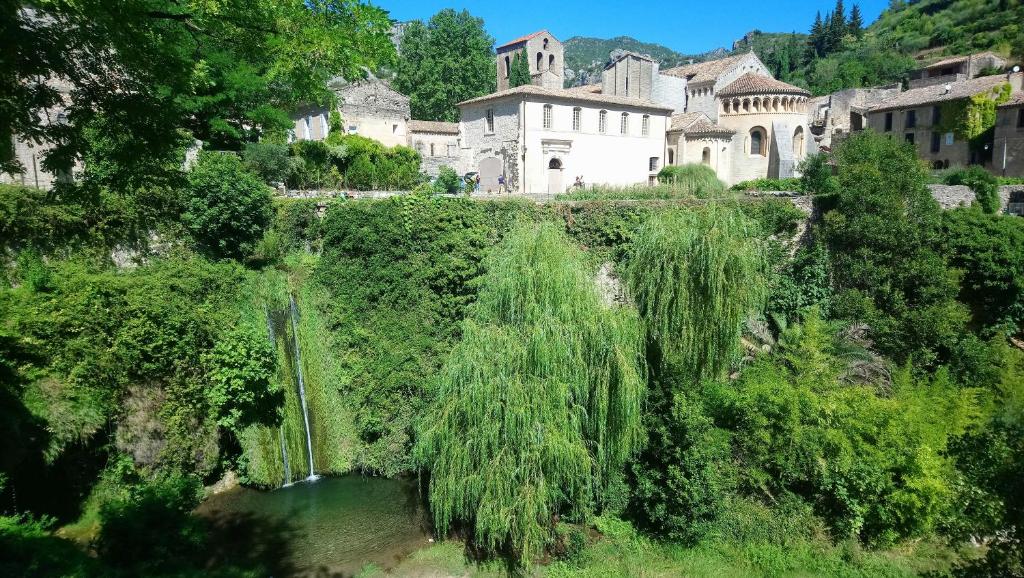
{"points": [[729, 113]]}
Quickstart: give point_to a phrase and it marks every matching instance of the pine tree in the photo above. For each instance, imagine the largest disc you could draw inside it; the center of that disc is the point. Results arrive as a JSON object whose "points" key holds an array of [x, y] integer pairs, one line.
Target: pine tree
{"points": [[520, 72], [814, 40], [856, 22]]}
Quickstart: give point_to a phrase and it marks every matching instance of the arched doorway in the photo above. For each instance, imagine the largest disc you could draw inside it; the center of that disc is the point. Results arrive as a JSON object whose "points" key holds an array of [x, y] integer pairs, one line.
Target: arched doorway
{"points": [[490, 168], [705, 156], [555, 177]]}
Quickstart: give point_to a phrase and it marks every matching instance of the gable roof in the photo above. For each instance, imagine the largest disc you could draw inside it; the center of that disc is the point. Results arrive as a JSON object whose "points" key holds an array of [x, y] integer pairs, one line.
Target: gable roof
{"points": [[627, 53], [937, 93], [751, 83], [697, 123], [561, 93], [959, 59], [704, 71], [522, 39], [433, 126]]}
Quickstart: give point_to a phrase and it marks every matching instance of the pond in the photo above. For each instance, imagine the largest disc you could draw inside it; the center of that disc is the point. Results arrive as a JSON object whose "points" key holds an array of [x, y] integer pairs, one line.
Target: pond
{"points": [[333, 526]]}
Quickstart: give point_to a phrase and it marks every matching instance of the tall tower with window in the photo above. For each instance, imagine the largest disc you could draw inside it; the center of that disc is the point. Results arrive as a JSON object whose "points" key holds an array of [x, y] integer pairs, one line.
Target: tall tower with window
{"points": [[543, 52]]}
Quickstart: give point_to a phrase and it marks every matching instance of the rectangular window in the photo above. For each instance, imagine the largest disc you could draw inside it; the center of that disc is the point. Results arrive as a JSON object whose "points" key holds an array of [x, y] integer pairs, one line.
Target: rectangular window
{"points": [[1020, 118], [888, 121], [936, 115], [909, 137], [431, 149], [624, 124], [547, 116], [576, 114], [451, 150], [490, 120], [911, 118], [936, 141], [653, 164], [602, 122], [645, 126]]}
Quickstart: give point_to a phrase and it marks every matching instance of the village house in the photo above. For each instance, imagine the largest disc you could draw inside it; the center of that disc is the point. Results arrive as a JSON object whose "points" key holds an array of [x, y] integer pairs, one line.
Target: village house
{"points": [[916, 116], [369, 108], [956, 69], [1009, 138]]}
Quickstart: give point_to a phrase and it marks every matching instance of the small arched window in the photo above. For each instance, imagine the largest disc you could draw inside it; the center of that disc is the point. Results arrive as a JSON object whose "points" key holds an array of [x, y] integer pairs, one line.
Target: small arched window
{"points": [[551, 61], [540, 61], [705, 156], [758, 144], [508, 66], [671, 156], [548, 113], [798, 142], [602, 122], [545, 44], [624, 124], [555, 163]]}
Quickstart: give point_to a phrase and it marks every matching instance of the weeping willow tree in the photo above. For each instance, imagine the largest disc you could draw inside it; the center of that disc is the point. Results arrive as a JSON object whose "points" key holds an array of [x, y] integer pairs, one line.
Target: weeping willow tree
{"points": [[695, 275], [540, 401]]}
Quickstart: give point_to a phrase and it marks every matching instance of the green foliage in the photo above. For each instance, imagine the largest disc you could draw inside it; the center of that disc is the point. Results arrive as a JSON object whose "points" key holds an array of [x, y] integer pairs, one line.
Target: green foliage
{"points": [[550, 357], [519, 73], [989, 249], [316, 164], [228, 208], [445, 61], [28, 550], [695, 276], [882, 235], [788, 184], [369, 165], [983, 183], [448, 181], [694, 180], [816, 175], [242, 391], [224, 71], [973, 119], [268, 160], [29, 219]]}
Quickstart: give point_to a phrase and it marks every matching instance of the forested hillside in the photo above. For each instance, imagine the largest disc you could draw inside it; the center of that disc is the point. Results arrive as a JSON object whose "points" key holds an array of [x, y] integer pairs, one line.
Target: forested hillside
{"points": [[838, 52], [585, 57]]}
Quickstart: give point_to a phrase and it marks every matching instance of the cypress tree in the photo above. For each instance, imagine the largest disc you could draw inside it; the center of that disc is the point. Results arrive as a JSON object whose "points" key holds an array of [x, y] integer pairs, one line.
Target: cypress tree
{"points": [[814, 40], [520, 73], [856, 22]]}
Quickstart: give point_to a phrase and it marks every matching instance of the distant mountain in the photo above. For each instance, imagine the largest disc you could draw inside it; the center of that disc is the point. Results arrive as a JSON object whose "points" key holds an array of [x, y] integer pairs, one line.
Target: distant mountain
{"points": [[585, 57]]}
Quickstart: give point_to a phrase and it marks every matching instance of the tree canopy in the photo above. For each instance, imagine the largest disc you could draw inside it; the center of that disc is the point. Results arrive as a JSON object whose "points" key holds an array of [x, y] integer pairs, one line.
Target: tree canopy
{"points": [[443, 62]]}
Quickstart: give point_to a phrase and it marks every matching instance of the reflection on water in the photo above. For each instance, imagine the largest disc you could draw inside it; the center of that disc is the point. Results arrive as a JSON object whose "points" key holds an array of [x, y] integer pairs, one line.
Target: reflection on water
{"points": [[335, 525]]}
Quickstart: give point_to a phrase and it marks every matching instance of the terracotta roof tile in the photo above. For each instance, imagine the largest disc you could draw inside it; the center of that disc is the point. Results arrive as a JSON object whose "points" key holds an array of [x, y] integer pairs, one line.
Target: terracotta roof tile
{"points": [[695, 123], [524, 38], [1016, 99], [433, 126], [704, 71], [533, 90], [587, 89], [937, 93], [751, 83]]}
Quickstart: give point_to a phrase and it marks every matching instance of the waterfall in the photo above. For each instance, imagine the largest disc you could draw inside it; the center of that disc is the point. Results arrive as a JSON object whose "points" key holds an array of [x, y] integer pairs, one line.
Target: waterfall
{"points": [[302, 385], [284, 446]]}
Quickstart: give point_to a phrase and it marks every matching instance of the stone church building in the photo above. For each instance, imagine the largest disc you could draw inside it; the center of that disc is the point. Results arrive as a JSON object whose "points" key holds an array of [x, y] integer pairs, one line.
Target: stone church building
{"points": [[729, 114]]}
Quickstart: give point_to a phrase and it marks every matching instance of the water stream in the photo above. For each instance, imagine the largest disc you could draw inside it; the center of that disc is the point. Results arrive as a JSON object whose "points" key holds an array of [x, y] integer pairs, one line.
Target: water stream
{"points": [[331, 528], [284, 445], [302, 385]]}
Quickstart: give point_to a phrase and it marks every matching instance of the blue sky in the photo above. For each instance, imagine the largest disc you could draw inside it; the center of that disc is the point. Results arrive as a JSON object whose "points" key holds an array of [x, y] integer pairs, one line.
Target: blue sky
{"points": [[686, 26]]}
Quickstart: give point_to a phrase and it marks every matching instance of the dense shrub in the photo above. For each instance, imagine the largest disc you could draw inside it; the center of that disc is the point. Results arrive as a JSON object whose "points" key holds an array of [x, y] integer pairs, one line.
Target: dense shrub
{"points": [[693, 180], [271, 161], [983, 183], [882, 235], [242, 391], [448, 181], [366, 164], [816, 175], [791, 184], [228, 207]]}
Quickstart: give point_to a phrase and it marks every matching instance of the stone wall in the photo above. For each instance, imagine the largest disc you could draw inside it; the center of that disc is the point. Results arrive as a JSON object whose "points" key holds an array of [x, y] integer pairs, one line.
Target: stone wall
{"points": [[953, 196]]}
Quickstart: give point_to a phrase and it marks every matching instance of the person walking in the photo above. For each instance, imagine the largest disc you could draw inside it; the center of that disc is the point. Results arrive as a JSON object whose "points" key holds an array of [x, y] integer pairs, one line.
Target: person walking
{"points": [[501, 184], [476, 186]]}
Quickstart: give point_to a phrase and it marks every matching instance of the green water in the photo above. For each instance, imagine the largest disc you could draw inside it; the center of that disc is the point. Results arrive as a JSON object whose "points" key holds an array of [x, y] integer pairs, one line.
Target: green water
{"points": [[334, 526]]}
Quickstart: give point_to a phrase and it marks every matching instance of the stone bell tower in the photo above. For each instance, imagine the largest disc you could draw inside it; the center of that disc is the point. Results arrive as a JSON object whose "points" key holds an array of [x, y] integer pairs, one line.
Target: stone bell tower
{"points": [[544, 53]]}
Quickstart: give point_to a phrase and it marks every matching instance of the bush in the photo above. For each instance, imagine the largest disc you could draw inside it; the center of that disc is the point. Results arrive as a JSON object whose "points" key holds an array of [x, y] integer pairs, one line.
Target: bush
{"points": [[984, 184], [228, 207], [693, 180], [242, 390], [792, 184], [816, 175], [448, 181], [268, 160]]}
